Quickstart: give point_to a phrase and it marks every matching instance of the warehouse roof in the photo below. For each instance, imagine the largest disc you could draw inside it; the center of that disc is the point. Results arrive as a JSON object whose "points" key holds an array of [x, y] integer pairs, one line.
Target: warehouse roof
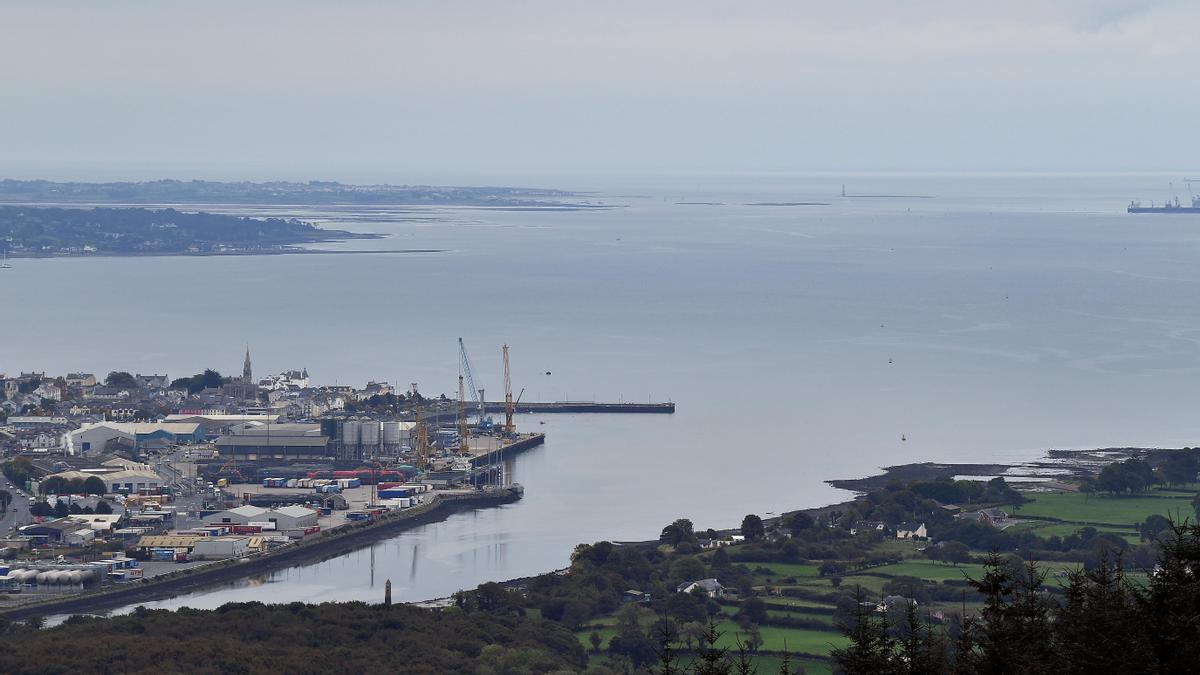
{"points": [[167, 541], [221, 418], [290, 430], [296, 511], [249, 511], [121, 476], [272, 441]]}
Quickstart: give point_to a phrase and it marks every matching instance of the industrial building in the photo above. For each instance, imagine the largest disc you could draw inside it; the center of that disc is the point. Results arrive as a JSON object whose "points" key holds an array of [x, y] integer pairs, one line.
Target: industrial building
{"points": [[359, 438], [95, 438], [284, 518], [61, 531], [220, 548], [284, 441], [119, 479]]}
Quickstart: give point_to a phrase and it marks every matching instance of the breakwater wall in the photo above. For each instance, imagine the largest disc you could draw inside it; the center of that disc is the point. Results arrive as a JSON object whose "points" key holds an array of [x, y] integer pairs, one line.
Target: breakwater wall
{"points": [[584, 407], [511, 450]]}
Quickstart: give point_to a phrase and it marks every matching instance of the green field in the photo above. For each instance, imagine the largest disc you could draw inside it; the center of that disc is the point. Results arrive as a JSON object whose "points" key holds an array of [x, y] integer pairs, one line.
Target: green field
{"points": [[787, 569], [796, 602], [797, 639], [810, 641], [1051, 529], [933, 571], [769, 663], [1127, 511], [606, 633]]}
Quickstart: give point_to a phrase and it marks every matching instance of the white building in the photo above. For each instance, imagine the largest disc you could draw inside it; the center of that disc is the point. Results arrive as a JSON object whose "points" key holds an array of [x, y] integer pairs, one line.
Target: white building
{"points": [[119, 480], [286, 518], [80, 537], [911, 531], [220, 548]]}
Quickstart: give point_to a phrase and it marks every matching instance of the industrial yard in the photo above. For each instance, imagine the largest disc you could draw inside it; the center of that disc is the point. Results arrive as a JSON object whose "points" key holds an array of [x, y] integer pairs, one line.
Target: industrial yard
{"points": [[236, 470]]}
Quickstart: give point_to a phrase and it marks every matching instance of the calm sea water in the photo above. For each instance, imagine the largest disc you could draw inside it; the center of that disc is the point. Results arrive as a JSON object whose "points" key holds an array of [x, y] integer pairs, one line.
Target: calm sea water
{"points": [[1010, 314]]}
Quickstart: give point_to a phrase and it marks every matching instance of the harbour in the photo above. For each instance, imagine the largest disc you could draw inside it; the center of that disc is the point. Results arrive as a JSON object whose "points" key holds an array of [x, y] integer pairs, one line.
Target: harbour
{"points": [[799, 340]]}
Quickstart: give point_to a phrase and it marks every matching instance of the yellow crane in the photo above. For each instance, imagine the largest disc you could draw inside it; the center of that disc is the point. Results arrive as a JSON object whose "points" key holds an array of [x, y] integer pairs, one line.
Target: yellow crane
{"points": [[508, 399], [464, 447], [421, 437]]}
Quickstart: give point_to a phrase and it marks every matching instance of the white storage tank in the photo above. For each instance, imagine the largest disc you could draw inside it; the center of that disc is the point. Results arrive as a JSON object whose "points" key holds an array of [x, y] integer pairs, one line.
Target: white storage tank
{"points": [[369, 433], [391, 433], [351, 432]]}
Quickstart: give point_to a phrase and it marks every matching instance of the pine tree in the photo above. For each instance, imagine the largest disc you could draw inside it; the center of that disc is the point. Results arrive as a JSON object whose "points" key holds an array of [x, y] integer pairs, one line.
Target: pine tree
{"points": [[1016, 633], [871, 649], [713, 660], [1170, 606], [742, 664], [666, 653], [1098, 628]]}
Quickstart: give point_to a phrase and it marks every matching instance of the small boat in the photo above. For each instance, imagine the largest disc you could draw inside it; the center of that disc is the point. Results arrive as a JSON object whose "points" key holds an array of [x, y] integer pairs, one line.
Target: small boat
{"points": [[4, 264]]}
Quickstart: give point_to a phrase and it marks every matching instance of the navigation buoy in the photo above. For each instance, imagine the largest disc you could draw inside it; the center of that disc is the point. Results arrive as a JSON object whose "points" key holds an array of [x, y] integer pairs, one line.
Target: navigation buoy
{"points": [[902, 438]]}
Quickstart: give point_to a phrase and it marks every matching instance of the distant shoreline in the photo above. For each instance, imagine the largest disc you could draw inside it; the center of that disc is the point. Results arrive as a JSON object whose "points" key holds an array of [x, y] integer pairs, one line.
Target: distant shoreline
{"points": [[218, 254]]}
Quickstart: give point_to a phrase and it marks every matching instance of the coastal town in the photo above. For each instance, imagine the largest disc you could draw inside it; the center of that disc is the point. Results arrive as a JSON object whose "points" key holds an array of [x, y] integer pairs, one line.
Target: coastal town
{"points": [[122, 478]]}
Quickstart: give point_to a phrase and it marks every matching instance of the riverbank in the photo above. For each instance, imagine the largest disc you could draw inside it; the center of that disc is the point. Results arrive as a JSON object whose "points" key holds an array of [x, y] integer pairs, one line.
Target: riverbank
{"points": [[321, 546]]}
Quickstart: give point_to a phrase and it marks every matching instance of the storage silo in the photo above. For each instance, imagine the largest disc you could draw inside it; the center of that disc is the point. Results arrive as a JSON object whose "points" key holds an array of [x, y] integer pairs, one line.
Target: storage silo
{"points": [[329, 429], [351, 433], [369, 434], [391, 437]]}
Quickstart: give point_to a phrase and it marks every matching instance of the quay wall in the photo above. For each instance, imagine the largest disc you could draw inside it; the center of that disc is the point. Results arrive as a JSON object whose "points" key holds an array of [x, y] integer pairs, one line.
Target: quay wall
{"points": [[314, 548]]}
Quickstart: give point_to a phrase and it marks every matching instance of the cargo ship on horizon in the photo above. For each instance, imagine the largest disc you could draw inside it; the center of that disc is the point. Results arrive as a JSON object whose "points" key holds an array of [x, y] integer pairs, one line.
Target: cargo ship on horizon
{"points": [[1171, 206]]}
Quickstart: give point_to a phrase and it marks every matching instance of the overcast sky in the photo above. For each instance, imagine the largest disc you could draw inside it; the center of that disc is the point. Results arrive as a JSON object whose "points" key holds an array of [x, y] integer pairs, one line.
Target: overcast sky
{"points": [[407, 90]]}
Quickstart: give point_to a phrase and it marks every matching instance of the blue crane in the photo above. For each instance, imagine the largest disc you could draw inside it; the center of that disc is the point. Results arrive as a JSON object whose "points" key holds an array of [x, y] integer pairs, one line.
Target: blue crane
{"points": [[485, 422]]}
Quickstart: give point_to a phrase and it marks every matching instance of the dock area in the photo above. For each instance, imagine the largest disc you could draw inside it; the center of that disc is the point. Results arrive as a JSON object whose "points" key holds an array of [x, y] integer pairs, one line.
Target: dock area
{"points": [[583, 407]]}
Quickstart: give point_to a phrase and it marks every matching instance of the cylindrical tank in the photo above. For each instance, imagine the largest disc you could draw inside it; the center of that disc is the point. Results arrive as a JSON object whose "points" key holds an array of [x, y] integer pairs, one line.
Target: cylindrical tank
{"points": [[351, 432], [391, 433], [329, 429], [75, 577], [43, 578], [27, 576], [369, 433]]}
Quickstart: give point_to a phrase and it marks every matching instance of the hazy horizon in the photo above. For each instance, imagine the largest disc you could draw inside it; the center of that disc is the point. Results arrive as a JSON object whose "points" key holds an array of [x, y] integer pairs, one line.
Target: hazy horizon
{"points": [[470, 92]]}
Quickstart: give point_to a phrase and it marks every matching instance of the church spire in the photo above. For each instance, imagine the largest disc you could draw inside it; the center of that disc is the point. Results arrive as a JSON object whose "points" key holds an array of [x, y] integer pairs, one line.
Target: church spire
{"points": [[246, 376]]}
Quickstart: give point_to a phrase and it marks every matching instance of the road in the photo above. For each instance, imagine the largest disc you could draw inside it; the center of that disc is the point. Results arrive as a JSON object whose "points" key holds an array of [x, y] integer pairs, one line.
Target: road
{"points": [[17, 513]]}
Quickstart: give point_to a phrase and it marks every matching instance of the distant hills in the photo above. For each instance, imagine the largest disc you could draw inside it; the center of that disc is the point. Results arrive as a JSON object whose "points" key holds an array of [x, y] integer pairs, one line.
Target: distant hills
{"points": [[41, 231], [313, 192]]}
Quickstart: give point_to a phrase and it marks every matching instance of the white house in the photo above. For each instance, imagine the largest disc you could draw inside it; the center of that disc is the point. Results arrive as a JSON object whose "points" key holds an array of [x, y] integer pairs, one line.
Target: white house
{"points": [[911, 531], [710, 587]]}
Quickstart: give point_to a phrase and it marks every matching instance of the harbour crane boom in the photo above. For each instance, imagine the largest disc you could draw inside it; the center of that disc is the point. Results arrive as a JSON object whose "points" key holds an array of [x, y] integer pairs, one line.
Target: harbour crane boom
{"points": [[508, 397], [464, 448], [468, 372], [421, 441]]}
